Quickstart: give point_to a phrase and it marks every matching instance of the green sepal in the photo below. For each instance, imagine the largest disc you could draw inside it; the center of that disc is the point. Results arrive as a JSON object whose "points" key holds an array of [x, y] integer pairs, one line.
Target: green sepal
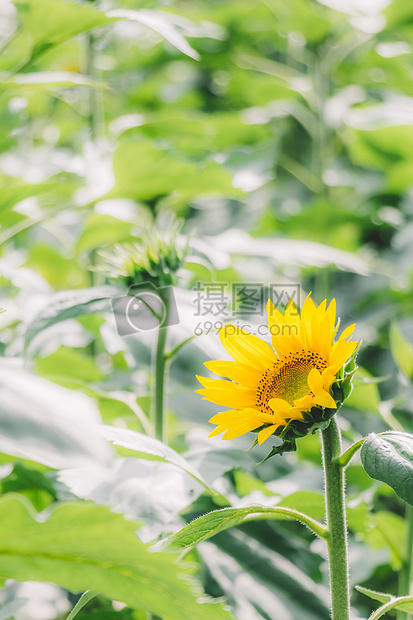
{"points": [[254, 443], [286, 446]]}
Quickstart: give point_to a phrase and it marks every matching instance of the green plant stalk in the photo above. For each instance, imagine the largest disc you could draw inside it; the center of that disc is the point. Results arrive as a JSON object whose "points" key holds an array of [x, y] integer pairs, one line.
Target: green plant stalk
{"points": [[158, 394], [405, 576], [95, 122], [159, 372], [336, 522]]}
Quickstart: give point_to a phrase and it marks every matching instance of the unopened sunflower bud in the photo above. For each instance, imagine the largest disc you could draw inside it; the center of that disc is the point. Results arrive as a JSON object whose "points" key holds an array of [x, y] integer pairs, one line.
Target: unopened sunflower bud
{"points": [[155, 258]]}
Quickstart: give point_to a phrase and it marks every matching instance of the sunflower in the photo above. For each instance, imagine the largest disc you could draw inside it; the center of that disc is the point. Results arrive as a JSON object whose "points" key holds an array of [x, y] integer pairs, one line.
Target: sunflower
{"points": [[293, 385]]}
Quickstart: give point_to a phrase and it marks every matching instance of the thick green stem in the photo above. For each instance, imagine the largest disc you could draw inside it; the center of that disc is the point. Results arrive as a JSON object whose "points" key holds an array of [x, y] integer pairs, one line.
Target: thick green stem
{"points": [[159, 371], [405, 578], [336, 522], [158, 393]]}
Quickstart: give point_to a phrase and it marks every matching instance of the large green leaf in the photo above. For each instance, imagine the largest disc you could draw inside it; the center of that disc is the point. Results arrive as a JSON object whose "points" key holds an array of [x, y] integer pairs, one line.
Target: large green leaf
{"points": [[68, 363], [389, 458], [151, 449], [51, 22], [218, 520], [71, 304], [47, 423], [163, 24], [101, 229], [144, 172], [82, 546]]}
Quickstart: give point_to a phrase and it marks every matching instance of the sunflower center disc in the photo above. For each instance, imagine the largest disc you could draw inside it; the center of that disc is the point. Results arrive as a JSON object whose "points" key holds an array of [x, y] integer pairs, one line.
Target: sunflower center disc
{"points": [[288, 378]]}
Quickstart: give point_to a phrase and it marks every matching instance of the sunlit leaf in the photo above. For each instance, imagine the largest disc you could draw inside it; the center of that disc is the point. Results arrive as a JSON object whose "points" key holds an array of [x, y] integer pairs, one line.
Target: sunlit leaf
{"points": [[219, 520], [138, 166], [44, 422], [71, 304], [83, 545], [152, 449], [43, 80], [100, 230], [162, 24], [51, 22]]}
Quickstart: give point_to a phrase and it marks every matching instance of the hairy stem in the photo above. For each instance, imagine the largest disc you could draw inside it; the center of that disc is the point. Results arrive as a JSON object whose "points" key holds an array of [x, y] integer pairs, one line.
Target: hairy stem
{"points": [[405, 577], [159, 371], [336, 522]]}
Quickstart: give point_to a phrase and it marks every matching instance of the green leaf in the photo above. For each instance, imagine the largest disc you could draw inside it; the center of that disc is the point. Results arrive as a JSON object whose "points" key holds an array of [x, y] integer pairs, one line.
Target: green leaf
{"points": [[85, 598], [387, 529], [45, 80], [218, 520], [69, 363], [151, 449], [100, 230], [162, 24], [83, 545], [47, 423], [389, 458], [69, 305], [15, 190], [51, 22], [144, 172], [345, 458], [376, 596], [401, 351], [404, 603]]}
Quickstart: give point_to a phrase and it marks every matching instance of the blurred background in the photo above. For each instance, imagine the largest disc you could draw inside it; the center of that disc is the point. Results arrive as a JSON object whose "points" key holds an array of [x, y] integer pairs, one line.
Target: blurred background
{"points": [[280, 134]]}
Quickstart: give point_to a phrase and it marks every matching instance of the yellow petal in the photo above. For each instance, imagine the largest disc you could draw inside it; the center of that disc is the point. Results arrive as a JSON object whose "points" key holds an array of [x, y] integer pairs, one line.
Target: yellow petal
{"points": [[286, 343], [325, 336], [292, 318], [259, 416], [274, 315], [232, 415], [246, 348], [315, 336], [240, 429], [331, 313], [324, 399], [236, 399], [279, 405], [340, 352], [347, 332], [307, 313], [304, 403], [283, 409], [315, 380], [217, 431], [266, 432], [208, 382], [243, 374]]}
